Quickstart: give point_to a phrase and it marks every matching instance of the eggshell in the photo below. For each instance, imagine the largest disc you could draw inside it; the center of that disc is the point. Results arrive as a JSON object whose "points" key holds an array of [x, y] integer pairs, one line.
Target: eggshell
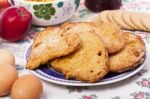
{"points": [[8, 75], [6, 56], [27, 87]]}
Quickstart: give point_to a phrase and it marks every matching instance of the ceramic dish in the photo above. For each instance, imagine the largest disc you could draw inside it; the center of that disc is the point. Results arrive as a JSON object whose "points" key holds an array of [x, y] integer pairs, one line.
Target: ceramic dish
{"points": [[48, 74], [49, 13]]}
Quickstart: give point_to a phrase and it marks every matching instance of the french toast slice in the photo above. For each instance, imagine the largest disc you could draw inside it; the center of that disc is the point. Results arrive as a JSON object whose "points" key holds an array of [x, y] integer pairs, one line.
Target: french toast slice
{"points": [[109, 33], [88, 63], [50, 44], [129, 56]]}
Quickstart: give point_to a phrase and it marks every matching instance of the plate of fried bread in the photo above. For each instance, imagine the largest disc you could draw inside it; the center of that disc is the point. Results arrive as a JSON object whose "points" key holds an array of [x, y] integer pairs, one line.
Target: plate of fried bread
{"points": [[86, 54]]}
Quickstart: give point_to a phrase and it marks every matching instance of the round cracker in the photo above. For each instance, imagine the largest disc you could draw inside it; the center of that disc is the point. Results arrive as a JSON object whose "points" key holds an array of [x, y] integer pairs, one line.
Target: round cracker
{"points": [[113, 21], [104, 16], [129, 56], [136, 20], [117, 16], [127, 20], [145, 21], [110, 18]]}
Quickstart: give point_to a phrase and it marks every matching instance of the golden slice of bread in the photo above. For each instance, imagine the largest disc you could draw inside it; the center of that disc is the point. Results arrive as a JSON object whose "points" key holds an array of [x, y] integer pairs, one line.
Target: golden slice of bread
{"points": [[109, 33], [88, 63], [128, 57], [49, 44], [112, 37]]}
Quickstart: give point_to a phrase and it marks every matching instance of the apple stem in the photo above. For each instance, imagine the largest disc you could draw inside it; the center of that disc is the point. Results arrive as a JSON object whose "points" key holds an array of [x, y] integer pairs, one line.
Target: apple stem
{"points": [[20, 12]]}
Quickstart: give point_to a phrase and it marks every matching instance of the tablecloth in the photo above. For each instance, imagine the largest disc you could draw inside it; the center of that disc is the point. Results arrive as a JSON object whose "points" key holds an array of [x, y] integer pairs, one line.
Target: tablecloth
{"points": [[135, 87]]}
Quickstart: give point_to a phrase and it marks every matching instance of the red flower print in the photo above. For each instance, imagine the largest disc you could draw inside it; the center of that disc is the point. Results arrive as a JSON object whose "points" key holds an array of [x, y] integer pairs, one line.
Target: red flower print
{"points": [[145, 83], [88, 97], [139, 95]]}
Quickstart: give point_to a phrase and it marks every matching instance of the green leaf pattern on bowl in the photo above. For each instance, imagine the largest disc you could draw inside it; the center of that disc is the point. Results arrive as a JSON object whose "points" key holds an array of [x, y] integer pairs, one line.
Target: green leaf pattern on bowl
{"points": [[45, 11], [77, 2]]}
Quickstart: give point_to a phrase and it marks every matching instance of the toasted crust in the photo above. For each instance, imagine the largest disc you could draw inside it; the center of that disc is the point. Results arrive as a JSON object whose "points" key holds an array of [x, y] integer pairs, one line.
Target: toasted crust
{"points": [[109, 33], [49, 44], [88, 64], [112, 37], [131, 54]]}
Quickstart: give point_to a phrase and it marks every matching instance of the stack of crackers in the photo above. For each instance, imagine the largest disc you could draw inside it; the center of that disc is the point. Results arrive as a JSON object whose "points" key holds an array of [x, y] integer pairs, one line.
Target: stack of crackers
{"points": [[86, 51], [125, 19]]}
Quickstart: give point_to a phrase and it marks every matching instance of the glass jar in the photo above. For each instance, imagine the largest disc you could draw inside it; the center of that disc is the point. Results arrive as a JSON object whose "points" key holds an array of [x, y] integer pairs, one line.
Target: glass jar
{"points": [[100, 5]]}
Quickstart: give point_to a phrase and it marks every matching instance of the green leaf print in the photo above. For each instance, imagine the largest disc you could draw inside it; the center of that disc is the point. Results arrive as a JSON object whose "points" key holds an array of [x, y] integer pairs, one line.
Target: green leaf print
{"points": [[37, 14], [52, 11], [44, 11]]}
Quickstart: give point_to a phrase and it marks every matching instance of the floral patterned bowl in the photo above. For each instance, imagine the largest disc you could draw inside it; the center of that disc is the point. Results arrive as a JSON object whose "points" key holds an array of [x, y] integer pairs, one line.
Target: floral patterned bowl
{"points": [[50, 13]]}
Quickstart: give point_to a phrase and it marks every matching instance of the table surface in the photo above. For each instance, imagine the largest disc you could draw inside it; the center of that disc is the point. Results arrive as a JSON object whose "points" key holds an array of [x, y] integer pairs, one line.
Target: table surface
{"points": [[135, 87]]}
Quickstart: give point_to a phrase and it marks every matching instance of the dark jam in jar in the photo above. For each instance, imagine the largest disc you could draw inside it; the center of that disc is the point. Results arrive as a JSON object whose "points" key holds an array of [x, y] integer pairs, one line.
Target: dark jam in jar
{"points": [[100, 5]]}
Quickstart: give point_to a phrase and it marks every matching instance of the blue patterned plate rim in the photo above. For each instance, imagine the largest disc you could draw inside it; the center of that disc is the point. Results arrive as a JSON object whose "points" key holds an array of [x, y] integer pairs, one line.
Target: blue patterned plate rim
{"points": [[48, 74]]}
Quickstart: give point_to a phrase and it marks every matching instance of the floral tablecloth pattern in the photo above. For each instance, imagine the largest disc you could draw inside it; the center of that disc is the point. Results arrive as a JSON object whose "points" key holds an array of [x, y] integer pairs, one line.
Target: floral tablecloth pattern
{"points": [[135, 87]]}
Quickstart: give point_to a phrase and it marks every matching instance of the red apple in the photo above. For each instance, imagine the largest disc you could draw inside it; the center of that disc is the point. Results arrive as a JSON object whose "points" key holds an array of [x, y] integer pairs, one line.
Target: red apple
{"points": [[4, 4], [14, 23]]}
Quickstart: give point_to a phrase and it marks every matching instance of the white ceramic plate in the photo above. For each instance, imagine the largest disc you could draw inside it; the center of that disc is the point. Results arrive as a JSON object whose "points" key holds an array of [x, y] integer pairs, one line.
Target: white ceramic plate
{"points": [[48, 74]]}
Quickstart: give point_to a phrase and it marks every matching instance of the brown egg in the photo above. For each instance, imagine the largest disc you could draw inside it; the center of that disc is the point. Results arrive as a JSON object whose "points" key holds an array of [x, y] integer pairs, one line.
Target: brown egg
{"points": [[7, 57], [27, 87], [8, 75]]}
